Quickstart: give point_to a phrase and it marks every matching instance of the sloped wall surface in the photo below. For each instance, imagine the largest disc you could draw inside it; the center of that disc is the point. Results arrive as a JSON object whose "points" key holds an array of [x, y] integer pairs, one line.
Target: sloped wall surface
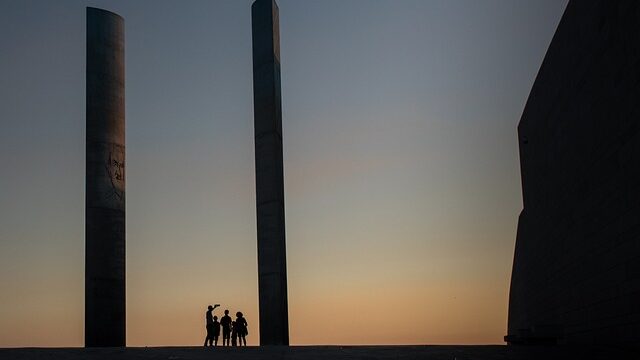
{"points": [[576, 271]]}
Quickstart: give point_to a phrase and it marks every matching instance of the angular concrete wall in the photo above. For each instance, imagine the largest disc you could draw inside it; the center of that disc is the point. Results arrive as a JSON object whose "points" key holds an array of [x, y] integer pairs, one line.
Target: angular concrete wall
{"points": [[576, 271], [105, 182], [272, 263]]}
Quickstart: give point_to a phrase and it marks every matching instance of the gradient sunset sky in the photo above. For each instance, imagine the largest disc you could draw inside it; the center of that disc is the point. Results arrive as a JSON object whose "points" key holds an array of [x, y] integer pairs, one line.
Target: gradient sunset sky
{"points": [[402, 179]]}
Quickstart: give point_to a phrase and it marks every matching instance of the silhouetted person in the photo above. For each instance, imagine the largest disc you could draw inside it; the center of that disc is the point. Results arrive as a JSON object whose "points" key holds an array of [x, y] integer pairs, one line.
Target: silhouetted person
{"points": [[210, 325], [241, 329], [234, 334], [225, 322], [216, 330]]}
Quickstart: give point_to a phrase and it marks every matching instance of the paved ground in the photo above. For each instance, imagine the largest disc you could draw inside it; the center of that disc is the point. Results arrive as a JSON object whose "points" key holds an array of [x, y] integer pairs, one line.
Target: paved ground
{"points": [[324, 352]]}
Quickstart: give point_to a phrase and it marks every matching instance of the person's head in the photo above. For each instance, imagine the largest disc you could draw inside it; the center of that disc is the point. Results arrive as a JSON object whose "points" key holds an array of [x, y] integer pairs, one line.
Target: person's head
{"points": [[226, 312], [210, 307], [239, 314], [215, 318]]}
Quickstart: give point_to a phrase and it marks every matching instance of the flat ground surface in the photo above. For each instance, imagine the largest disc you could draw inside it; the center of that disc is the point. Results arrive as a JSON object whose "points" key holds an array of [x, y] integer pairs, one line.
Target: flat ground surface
{"points": [[324, 352]]}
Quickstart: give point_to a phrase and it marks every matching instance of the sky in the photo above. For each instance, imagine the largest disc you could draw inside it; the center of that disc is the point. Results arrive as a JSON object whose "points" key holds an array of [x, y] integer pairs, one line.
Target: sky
{"points": [[402, 179]]}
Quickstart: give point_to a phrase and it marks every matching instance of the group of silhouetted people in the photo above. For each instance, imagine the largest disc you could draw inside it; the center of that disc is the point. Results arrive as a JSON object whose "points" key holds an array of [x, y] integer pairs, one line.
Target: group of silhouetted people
{"points": [[234, 333]]}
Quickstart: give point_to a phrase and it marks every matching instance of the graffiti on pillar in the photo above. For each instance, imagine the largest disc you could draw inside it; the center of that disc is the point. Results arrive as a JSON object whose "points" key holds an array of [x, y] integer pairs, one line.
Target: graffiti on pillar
{"points": [[115, 172]]}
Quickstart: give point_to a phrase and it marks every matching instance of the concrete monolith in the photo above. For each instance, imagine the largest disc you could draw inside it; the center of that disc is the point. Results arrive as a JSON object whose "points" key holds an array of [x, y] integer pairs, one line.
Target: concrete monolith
{"points": [[105, 182], [272, 265]]}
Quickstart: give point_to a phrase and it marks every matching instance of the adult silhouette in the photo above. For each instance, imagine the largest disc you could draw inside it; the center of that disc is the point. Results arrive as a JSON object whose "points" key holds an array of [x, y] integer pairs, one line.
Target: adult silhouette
{"points": [[210, 326], [241, 329], [225, 322]]}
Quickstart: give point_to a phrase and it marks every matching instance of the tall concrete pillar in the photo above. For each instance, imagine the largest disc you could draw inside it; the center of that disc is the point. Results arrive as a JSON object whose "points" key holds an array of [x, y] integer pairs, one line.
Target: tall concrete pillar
{"points": [[272, 264], [105, 182]]}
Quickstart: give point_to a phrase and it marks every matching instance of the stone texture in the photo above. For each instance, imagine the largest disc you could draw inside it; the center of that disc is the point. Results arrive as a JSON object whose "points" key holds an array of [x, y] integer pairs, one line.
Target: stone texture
{"points": [[576, 277], [272, 264], [105, 182]]}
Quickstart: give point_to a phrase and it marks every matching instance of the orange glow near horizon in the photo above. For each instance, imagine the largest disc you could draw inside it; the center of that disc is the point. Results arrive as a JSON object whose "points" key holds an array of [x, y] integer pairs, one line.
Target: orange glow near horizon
{"points": [[328, 320]]}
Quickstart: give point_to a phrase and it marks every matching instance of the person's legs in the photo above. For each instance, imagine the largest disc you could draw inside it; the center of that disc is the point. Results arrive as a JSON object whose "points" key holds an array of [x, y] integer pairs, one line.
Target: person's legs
{"points": [[209, 337]]}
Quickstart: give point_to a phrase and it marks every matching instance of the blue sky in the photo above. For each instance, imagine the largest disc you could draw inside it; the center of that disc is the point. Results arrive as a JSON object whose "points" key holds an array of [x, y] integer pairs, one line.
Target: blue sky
{"points": [[401, 167]]}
